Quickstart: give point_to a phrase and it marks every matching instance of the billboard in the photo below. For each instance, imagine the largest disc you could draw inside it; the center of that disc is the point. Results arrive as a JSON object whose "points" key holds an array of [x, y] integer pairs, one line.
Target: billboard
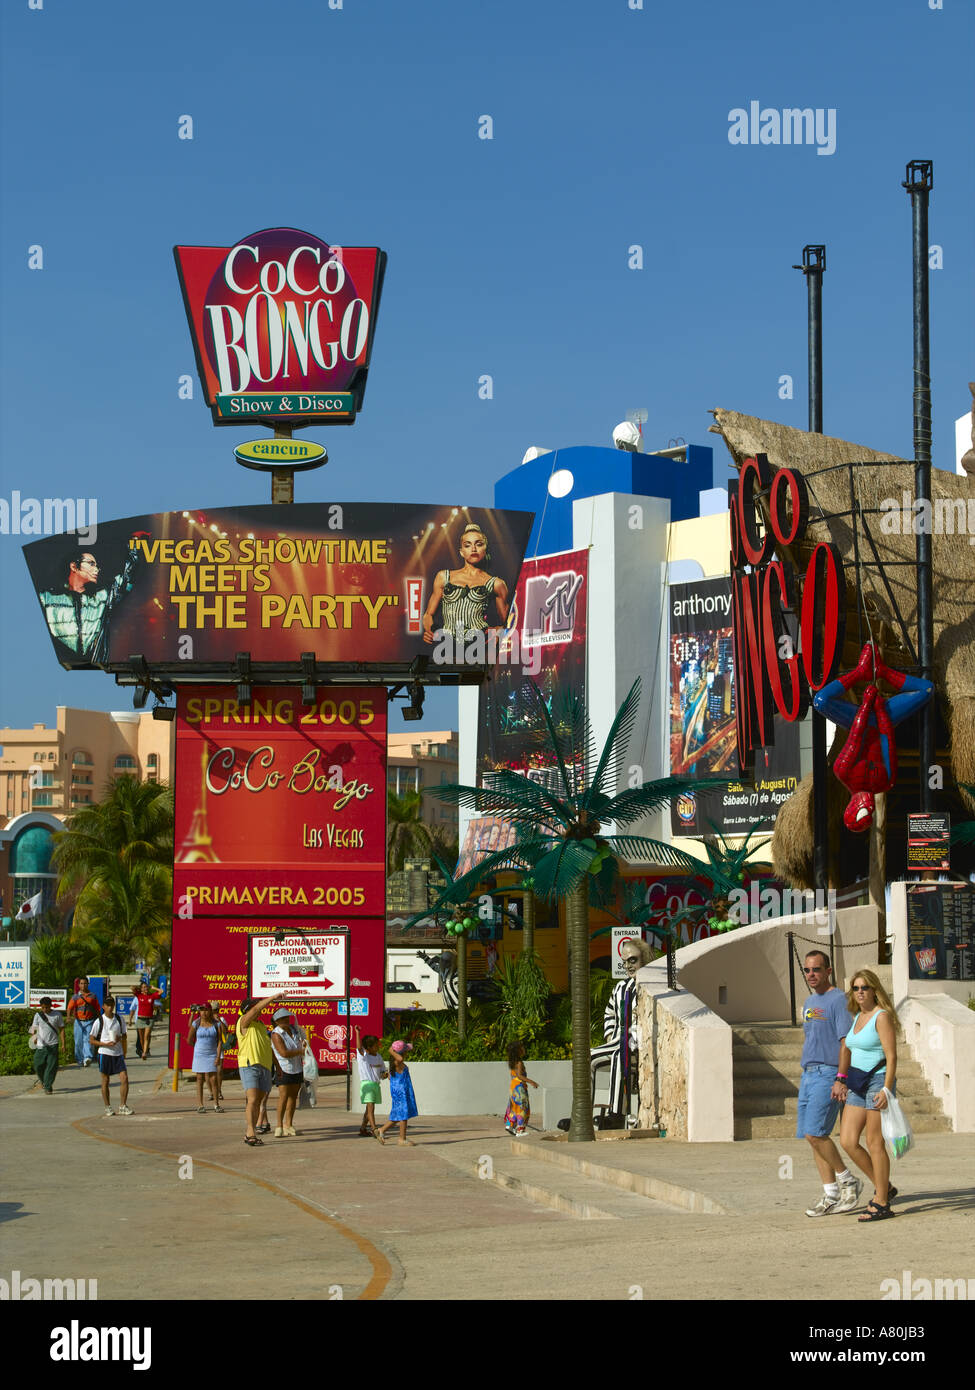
{"points": [[549, 617], [280, 805], [350, 582], [211, 965], [703, 722], [282, 326]]}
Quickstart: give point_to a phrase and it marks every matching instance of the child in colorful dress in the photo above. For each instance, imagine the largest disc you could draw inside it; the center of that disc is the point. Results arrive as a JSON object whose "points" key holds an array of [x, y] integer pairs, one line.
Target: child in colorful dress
{"points": [[371, 1072], [518, 1113], [403, 1107]]}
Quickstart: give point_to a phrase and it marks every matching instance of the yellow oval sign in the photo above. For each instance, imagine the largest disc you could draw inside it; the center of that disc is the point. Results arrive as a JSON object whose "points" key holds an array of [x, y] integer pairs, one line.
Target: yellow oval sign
{"points": [[283, 451]]}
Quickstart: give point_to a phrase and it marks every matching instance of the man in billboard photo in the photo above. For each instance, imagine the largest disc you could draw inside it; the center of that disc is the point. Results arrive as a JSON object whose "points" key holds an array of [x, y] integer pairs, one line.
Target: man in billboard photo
{"points": [[463, 594], [79, 610]]}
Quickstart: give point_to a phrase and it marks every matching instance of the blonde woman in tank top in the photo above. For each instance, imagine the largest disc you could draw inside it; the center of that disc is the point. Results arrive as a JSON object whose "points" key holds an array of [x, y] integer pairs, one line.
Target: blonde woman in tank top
{"points": [[870, 1047]]}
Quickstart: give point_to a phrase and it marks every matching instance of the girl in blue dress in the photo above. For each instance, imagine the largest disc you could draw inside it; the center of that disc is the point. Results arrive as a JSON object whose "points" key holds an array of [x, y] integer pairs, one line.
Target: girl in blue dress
{"points": [[403, 1106]]}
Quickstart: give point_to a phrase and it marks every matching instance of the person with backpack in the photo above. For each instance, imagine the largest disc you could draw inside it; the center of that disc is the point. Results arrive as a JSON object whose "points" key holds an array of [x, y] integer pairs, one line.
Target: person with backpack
{"points": [[109, 1034], [45, 1032], [83, 1008]]}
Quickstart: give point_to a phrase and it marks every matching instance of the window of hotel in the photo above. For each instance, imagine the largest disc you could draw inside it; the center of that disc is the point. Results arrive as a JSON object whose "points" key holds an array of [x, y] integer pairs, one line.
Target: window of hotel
{"points": [[125, 763], [43, 798], [82, 759]]}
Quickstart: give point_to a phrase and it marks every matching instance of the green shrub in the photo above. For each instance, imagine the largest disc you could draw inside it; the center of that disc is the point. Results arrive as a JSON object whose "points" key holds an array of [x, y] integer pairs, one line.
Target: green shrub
{"points": [[16, 1058]]}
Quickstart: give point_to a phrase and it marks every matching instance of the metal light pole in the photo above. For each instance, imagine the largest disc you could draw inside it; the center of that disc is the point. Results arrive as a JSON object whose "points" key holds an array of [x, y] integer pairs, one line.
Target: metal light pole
{"points": [[813, 266], [919, 182]]}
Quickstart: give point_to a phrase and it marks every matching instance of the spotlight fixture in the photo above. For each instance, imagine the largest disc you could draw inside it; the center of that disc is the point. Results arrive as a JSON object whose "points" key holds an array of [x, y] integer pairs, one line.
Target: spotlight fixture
{"points": [[161, 711], [414, 710], [243, 678], [308, 683]]}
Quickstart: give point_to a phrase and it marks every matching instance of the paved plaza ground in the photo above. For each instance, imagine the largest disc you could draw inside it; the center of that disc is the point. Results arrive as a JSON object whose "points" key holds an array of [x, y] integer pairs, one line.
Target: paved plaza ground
{"points": [[175, 1206]]}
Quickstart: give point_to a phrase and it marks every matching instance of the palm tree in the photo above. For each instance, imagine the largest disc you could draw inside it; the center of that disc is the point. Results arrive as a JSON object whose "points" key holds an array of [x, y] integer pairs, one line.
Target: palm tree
{"points": [[560, 843], [117, 855], [406, 831]]}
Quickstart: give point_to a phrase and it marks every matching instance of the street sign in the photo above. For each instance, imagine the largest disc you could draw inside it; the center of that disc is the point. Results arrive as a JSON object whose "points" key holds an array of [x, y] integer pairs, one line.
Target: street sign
{"points": [[306, 964], [58, 998], [14, 975], [621, 934]]}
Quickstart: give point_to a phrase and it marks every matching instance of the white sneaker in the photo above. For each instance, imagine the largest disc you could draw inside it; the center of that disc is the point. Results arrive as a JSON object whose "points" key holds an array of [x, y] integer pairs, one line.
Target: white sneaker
{"points": [[824, 1206], [109, 1111], [124, 1110], [86, 1062], [849, 1195]]}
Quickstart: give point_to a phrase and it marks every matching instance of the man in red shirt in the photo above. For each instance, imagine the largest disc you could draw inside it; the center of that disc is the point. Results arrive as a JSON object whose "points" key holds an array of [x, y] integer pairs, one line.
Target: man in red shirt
{"points": [[84, 1008], [145, 998]]}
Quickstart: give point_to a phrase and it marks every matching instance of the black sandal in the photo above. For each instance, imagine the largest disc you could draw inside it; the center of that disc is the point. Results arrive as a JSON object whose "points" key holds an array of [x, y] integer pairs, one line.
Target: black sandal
{"points": [[876, 1212], [253, 1142]]}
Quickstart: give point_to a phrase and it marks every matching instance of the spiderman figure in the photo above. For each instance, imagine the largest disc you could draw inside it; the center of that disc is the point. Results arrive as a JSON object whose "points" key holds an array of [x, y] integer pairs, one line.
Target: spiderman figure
{"points": [[867, 764]]}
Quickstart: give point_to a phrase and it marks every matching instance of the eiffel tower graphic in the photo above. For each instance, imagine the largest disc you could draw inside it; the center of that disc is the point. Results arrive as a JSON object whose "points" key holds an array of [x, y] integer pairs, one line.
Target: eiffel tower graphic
{"points": [[197, 848]]}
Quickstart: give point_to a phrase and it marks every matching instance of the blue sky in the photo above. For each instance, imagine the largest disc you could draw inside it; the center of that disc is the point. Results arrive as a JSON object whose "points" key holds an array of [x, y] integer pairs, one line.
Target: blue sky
{"points": [[506, 256]]}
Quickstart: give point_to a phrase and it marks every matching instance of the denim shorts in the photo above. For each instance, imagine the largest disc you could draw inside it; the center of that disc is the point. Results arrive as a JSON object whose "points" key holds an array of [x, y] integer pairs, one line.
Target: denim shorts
{"points": [[817, 1111], [256, 1078], [866, 1102]]}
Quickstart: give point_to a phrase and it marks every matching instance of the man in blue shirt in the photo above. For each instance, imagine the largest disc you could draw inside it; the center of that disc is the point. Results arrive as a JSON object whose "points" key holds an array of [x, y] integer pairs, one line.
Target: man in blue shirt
{"points": [[826, 1021]]}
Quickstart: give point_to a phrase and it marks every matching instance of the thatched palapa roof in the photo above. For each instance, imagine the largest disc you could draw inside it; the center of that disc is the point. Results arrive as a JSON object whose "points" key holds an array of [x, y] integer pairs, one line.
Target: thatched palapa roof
{"points": [[953, 580]]}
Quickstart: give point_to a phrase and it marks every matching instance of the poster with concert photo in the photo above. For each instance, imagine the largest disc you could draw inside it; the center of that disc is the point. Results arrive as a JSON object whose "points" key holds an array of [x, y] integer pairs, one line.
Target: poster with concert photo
{"points": [[702, 720]]}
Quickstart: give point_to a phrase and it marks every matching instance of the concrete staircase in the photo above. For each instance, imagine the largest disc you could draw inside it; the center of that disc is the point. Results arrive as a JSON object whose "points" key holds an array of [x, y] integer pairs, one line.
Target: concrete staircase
{"points": [[766, 1084]]}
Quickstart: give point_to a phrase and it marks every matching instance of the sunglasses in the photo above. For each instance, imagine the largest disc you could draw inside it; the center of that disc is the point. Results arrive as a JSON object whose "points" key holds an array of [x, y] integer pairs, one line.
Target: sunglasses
{"points": [[863, 989], [813, 969]]}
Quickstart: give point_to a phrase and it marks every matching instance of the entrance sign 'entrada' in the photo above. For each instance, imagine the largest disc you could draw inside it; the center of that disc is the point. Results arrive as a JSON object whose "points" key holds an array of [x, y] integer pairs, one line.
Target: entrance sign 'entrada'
{"points": [[282, 325], [772, 669]]}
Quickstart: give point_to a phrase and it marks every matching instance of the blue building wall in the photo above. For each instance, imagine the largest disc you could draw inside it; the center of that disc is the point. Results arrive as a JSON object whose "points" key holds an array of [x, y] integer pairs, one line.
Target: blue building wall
{"points": [[596, 471]]}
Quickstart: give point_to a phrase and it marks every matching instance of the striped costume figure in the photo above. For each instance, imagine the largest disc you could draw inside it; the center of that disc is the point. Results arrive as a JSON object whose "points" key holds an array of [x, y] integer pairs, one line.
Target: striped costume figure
{"points": [[465, 609], [619, 1023]]}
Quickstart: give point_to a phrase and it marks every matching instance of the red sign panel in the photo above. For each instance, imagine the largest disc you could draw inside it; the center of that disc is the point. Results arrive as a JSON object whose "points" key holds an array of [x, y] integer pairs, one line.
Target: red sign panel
{"points": [[210, 962], [282, 325], [280, 806]]}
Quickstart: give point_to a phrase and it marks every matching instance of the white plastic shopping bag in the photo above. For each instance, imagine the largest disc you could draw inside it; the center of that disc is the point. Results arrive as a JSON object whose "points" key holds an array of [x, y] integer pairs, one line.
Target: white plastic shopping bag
{"points": [[895, 1128], [308, 1095]]}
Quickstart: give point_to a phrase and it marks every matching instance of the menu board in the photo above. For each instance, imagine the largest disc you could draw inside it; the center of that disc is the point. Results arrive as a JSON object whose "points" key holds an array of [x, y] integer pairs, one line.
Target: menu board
{"points": [[941, 931], [928, 841]]}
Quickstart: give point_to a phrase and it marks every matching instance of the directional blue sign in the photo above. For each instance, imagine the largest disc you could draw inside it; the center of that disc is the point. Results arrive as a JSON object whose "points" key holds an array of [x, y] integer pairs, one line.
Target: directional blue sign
{"points": [[14, 975]]}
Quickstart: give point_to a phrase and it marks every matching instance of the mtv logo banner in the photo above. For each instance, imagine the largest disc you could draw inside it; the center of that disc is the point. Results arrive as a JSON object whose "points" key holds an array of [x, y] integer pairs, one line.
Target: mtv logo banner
{"points": [[352, 582], [549, 618], [282, 326]]}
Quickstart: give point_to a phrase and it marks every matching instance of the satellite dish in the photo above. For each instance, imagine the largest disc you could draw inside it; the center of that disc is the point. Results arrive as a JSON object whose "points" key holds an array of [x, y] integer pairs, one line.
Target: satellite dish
{"points": [[535, 452], [627, 436]]}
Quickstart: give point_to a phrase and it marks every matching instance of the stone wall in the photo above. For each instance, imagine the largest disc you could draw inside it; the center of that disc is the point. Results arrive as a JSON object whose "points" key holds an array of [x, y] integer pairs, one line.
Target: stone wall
{"points": [[686, 1084]]}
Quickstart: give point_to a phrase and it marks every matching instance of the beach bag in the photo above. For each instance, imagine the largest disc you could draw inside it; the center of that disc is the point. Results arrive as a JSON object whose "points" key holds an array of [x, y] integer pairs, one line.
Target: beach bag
{"points": [[895, 1128]]}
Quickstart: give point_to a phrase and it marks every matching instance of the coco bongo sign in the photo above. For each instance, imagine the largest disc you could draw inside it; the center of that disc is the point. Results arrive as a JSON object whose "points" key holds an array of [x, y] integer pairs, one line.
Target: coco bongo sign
{"points": [[282, 326], [771, 675]]}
